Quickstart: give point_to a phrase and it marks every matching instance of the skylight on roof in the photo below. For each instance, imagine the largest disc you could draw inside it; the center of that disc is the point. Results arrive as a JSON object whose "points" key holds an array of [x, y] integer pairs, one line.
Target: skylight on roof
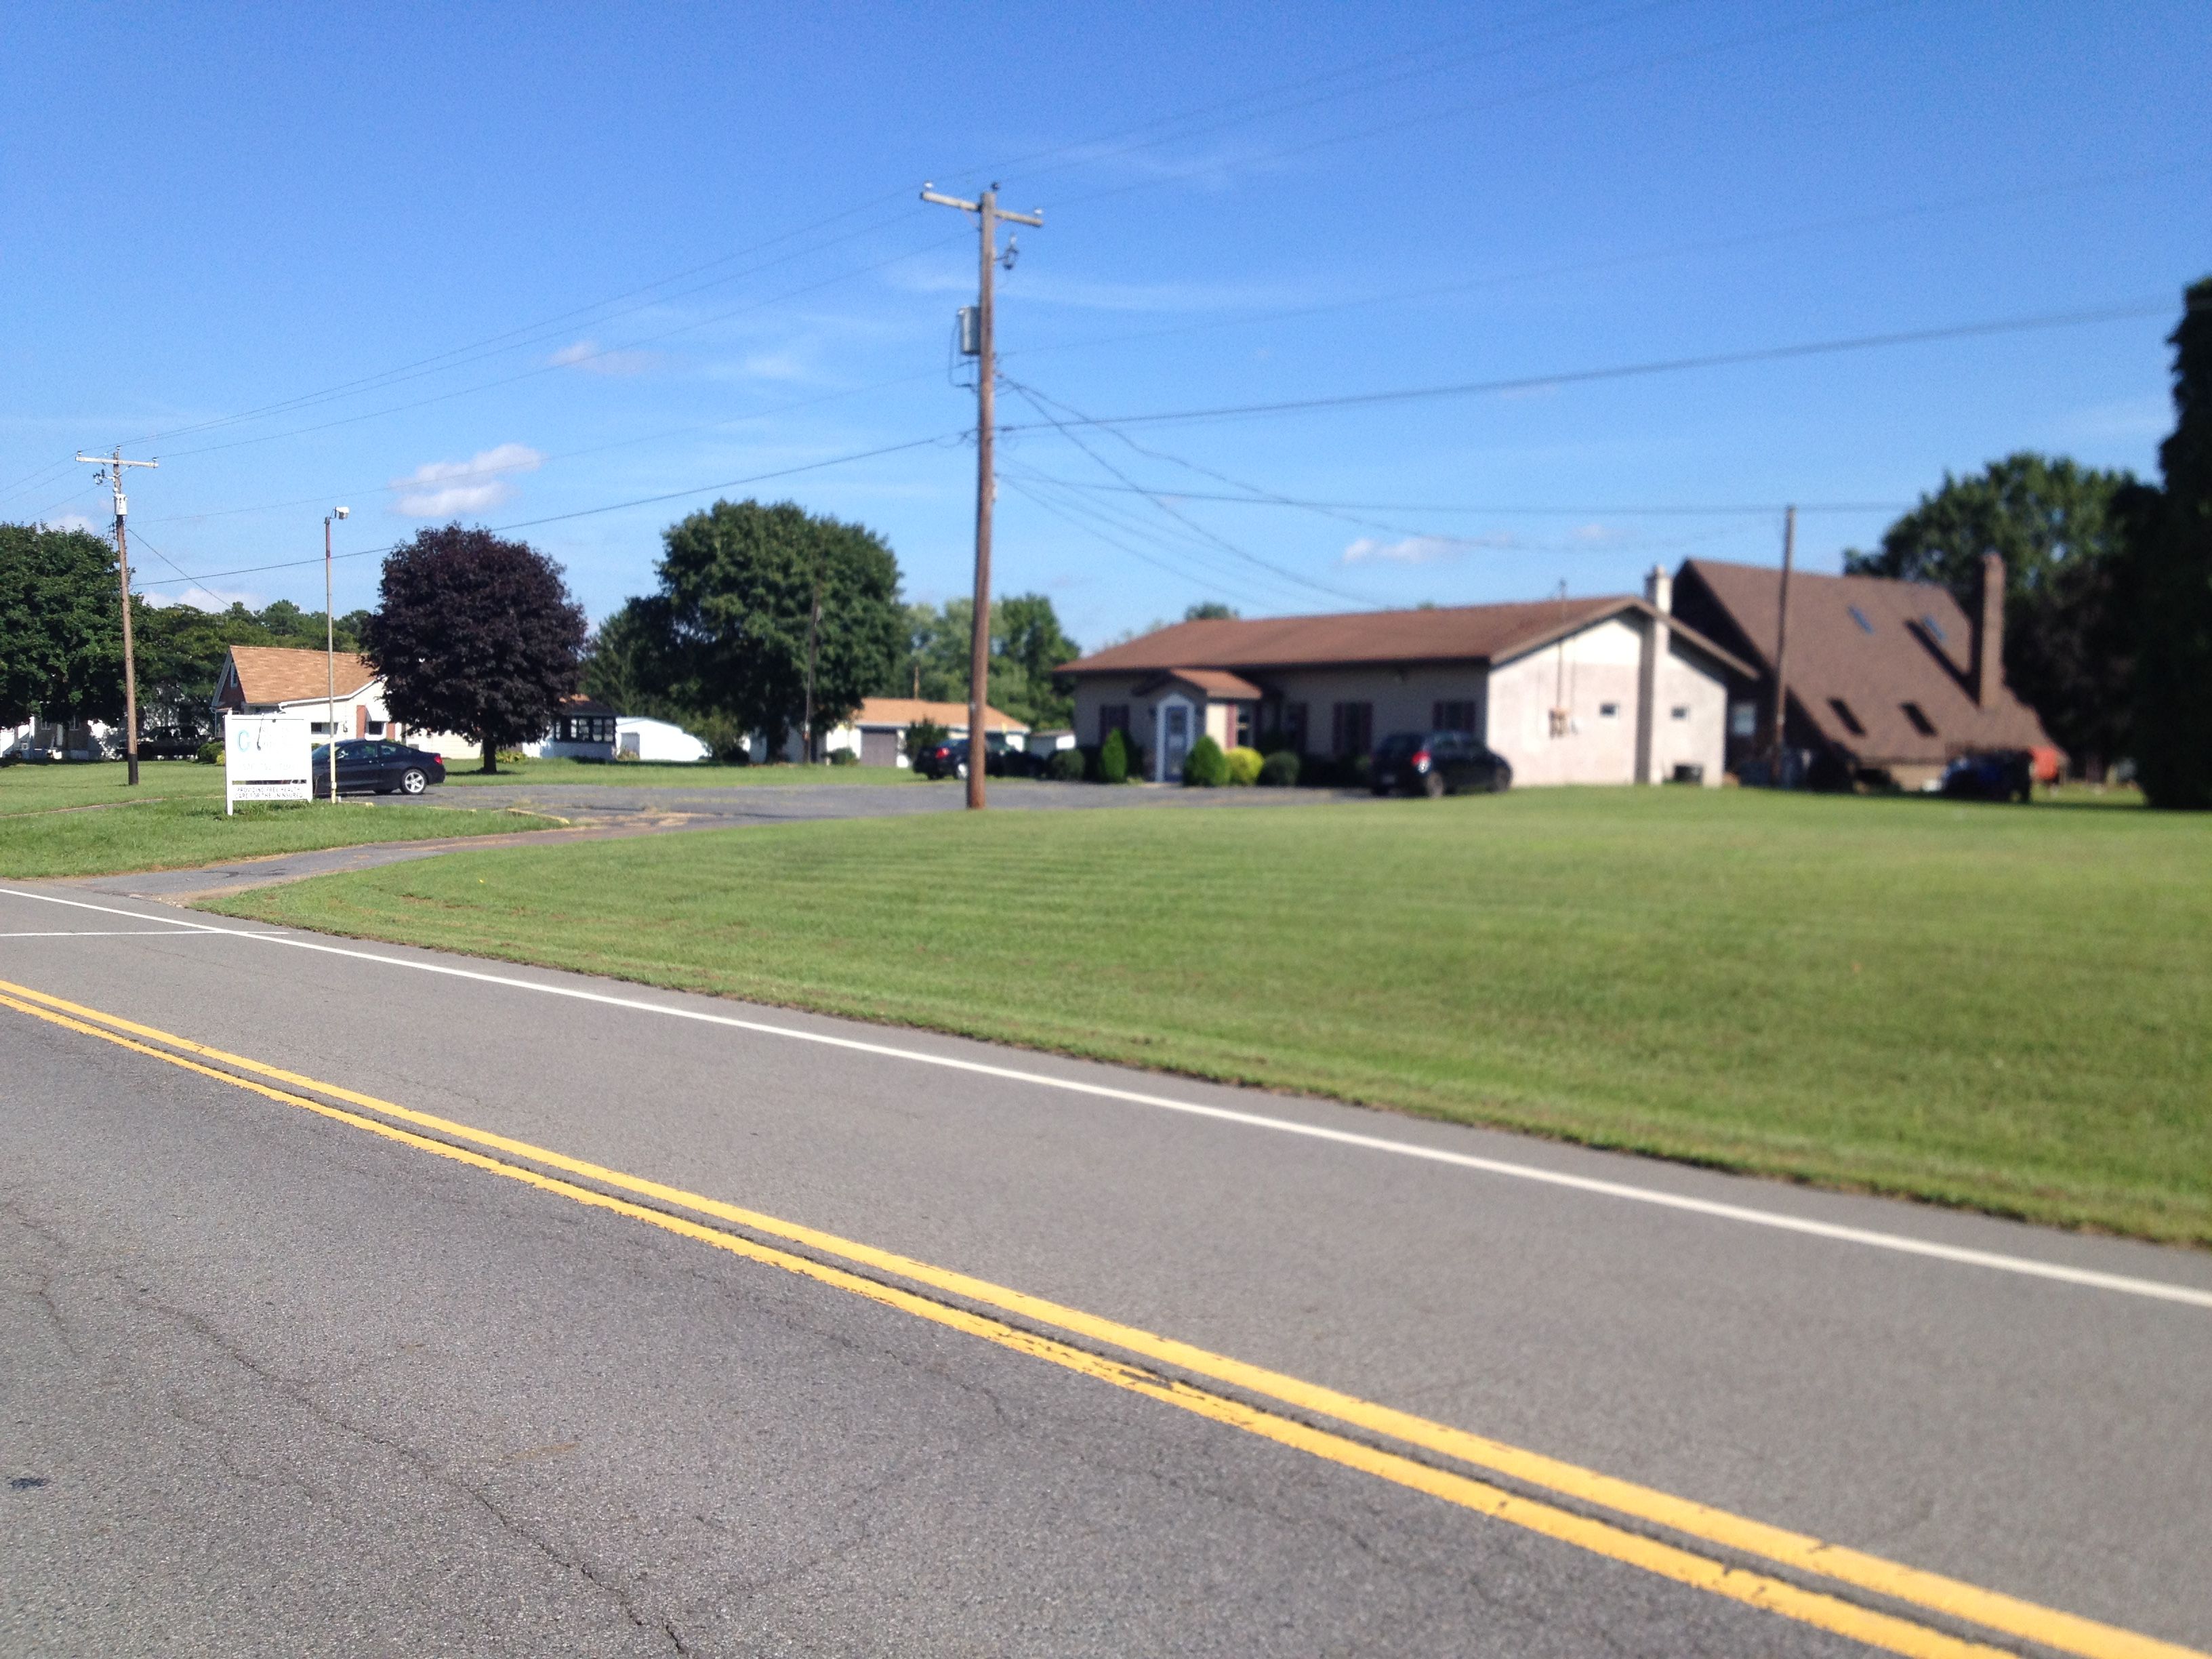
{"points": [[1860, 617]]}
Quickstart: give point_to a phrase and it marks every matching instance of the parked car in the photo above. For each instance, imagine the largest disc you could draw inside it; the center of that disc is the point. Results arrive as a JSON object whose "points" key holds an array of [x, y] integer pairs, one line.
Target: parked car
{"points": [[1001, 759], [1991, 775], [1436, 764], [366, 766]]}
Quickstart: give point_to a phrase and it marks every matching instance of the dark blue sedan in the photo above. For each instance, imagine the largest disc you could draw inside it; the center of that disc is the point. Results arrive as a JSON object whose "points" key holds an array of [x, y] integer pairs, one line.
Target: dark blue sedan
{"points": [[368, 766]]}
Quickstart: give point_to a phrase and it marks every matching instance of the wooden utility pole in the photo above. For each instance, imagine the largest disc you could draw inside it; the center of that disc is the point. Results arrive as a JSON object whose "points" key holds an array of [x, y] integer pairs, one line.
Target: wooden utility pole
{"points": [[111, 473], [1782, 636], [987, 213]]}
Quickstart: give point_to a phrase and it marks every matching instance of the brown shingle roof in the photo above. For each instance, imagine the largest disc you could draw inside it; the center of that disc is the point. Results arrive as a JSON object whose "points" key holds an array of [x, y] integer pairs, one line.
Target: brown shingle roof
{"points": [[283, 673], [905, 711], [1914, 648], [1463, 633]]}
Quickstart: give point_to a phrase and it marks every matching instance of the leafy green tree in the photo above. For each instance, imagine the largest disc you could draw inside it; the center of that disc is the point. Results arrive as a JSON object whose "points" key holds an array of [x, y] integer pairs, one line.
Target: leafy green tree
{"points": [[61, 630], [630, 665], [2173, 710], [2064, 532], [1027, 647], [1210, 610], [740, 582], [477, 634]]}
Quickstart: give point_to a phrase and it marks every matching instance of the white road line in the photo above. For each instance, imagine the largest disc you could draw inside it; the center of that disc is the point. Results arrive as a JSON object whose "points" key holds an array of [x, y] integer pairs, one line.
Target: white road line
{"points": [[1900, 1243], [115, 932]]}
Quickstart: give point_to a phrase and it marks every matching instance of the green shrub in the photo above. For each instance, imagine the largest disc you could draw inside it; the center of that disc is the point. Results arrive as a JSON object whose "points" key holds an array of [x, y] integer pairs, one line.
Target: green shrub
{"points": [[1066, 766], [843, 758], [1114, 758], [1205, 767], [920, 737], [1244, 766], [1280, 769], [210, 754]]}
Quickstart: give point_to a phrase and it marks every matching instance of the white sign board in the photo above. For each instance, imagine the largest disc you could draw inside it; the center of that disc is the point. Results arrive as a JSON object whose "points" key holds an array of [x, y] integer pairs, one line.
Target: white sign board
{"points": [[266, 757]]}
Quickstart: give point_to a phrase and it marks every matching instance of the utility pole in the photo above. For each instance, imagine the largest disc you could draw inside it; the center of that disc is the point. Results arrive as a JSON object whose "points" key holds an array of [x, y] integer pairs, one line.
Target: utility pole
{"points": [[987, 213], [813, 633], [1782, 636], [330, 654], [111, 473]]}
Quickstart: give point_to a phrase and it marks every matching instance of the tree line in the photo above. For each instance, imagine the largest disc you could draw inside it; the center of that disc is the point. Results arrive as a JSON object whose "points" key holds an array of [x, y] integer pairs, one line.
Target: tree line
{"points": [[2108, 584], [761, 610]]}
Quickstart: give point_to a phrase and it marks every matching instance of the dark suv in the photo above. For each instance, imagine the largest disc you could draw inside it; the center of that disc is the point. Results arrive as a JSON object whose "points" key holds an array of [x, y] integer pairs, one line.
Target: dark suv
{"points": [[1001, 759], [1436, 764]]}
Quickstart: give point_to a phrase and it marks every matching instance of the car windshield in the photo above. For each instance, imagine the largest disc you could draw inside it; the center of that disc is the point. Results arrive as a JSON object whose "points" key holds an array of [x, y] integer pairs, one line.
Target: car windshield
{"points": [[1399, 745]]}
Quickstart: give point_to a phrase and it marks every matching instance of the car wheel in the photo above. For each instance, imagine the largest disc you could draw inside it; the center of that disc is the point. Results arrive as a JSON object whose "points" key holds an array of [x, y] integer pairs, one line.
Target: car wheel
{"points": [[1501, 780], [412, 783], [1433, 785]]}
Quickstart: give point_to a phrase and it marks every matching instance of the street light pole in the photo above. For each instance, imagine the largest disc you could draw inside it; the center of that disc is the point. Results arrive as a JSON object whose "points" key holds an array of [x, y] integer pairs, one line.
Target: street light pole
{"points": [[331, 654], [987, 213]]}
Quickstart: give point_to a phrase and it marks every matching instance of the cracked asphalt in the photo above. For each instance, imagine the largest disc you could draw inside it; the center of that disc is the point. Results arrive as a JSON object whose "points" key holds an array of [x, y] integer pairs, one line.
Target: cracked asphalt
{"points": [[271, 1383]]}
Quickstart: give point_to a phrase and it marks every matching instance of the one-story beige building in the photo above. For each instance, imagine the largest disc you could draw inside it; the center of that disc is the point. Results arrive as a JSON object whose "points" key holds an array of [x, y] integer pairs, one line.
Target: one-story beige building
{"points": [[1600, 691]]}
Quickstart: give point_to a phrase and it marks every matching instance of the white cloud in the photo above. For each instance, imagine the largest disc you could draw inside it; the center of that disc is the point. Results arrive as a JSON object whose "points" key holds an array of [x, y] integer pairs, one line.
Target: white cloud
{"points": [[75, 521], [211, 599], [594, 359], [1420, 550], [439, 489]]}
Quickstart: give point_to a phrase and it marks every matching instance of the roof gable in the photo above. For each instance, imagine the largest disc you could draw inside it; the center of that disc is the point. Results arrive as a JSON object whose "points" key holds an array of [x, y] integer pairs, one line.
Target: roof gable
{"points": [[1872, 644], [283, 673]]}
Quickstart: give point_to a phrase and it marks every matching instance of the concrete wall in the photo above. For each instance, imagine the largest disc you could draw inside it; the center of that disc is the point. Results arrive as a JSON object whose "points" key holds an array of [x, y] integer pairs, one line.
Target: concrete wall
{"points": [[1689, 681], [1582, 674]]}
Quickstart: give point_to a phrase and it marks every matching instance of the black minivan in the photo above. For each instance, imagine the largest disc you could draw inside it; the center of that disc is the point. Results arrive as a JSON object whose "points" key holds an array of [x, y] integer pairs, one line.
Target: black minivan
{"points": [[1436, 764]]}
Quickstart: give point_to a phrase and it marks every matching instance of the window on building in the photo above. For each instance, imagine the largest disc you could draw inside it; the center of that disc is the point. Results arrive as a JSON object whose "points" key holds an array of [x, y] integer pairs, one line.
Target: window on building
{"points": [[1921, 723], [319, 728], [586, 728], [1844, 713], [1608, 711], [1936, 628], [1294, 727], [1452, 716], [1860, 617], [1743, 720], [1680, 711], [1240, 724], [1112, 717], [1351, 730], [376, 729]]}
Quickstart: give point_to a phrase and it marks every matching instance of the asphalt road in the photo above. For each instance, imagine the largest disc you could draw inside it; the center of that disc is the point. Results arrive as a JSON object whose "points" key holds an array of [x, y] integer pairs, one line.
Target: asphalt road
{"points": [[270, 1381]]}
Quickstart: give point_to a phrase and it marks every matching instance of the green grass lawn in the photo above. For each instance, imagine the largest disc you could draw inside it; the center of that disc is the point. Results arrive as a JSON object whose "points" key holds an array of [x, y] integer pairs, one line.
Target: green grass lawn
{"points": [[662, 775], [2002, 1008], [174, 820], [96, 783]]}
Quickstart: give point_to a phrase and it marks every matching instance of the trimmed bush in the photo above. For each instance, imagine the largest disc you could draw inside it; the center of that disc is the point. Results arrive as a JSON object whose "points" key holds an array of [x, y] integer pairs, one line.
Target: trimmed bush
{"points": [[1114, 758], [844, 757], [1066, 766], [1205, 767], [1279, 771], [210, 754], [1244, 767]]}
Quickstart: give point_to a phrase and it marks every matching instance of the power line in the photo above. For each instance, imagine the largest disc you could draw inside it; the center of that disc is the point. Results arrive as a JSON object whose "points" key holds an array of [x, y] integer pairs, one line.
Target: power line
{"points": [[1630, 371], [589, 511], [492, 344], [1596, 77], [553, 368], [1614, 262], [1067, 431], [1015, 483], [1688, 510]]}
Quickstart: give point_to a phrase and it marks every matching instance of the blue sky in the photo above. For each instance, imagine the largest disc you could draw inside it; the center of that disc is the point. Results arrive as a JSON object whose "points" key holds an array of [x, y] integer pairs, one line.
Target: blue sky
{"points": [[510, 263]]}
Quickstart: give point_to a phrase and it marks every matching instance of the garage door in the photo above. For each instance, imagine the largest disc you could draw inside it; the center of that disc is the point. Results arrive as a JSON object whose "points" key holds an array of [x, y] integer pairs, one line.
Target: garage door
{"points": [[879, 748]]}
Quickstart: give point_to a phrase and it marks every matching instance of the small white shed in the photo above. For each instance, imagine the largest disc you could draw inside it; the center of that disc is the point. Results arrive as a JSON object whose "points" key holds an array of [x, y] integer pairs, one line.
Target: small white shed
{"points": [[637, 738]]}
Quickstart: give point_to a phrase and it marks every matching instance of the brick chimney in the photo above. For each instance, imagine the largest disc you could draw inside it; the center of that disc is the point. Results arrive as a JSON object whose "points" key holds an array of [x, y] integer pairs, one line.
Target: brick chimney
{"points": [[1659, 590], [1985, 665]]}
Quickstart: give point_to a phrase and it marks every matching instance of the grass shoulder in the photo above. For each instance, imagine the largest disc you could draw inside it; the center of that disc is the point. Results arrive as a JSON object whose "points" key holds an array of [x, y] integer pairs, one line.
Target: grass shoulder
{"points": [[2004, 1008]]}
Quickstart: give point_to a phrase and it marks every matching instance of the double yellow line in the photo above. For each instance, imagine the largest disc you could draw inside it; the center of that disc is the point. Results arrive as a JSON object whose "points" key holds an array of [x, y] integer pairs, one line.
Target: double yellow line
{"points": [[1041, 1328]]}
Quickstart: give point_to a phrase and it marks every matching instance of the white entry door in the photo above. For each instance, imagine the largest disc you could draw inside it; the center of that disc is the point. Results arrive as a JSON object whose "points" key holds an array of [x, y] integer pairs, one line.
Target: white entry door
{"points": [[1174, 739]]}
